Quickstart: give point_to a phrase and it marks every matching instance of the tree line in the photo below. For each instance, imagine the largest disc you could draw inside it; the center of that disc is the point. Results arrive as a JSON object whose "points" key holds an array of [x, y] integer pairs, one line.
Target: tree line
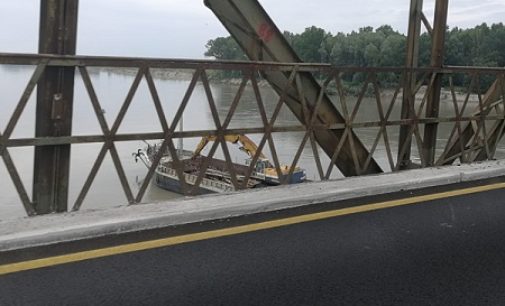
{"points": [[482, 45]]}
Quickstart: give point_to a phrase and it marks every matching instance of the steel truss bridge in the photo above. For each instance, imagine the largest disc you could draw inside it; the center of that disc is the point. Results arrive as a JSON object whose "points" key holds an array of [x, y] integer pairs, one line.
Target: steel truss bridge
{"points": [[313, 92]]}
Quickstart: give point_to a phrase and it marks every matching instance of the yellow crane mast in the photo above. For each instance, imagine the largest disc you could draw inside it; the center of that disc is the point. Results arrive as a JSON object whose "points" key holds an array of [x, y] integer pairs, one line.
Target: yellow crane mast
{"points": [[248, 146]]}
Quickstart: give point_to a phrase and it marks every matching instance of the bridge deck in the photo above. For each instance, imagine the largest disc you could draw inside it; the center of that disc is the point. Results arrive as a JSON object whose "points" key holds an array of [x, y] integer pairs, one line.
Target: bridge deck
{"points": [[415, 237], [444, 252]]}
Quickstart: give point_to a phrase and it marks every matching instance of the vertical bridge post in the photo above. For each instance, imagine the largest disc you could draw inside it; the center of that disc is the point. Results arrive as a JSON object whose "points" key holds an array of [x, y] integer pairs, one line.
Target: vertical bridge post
{"points": [[412, 61], [437, 61], [55, 90]]}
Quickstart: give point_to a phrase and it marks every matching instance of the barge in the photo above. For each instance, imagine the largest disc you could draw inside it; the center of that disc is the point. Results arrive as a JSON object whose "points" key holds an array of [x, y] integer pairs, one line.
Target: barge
{"points": [[217, 177]]}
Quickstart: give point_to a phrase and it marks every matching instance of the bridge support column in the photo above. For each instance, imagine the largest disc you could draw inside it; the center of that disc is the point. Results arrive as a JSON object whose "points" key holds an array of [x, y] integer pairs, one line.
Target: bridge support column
{"points": [[412, 61], [55, 90], [437, 61]]}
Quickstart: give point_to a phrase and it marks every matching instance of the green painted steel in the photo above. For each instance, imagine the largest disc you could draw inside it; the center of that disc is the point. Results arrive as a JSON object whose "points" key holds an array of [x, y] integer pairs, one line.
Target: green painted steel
{"points": [[261, 40]]}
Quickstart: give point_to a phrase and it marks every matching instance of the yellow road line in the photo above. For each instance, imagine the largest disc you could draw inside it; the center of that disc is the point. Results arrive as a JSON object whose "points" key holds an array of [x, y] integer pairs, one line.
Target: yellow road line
{"points": [[164, 242]]}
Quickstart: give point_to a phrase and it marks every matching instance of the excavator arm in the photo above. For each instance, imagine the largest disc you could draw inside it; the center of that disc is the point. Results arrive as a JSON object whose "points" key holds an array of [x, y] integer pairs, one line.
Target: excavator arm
{"points": [[203, 142], [248, 145]]}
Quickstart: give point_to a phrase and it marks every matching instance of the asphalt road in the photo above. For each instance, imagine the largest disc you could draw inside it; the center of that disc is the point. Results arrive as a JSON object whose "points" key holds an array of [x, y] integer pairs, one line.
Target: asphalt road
{"points": [[443, 252]]}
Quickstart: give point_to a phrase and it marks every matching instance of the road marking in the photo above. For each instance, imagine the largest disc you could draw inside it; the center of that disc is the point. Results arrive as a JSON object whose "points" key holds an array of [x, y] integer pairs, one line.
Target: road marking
{"points": [[164, 242]]}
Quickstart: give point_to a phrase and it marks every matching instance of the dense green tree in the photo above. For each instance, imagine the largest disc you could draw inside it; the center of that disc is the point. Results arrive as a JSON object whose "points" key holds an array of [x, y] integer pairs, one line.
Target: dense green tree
{"points": [[497, 44], [308, 44], [224, 48], [372, 55], [393, 51], [340, 53], [386, 30], [482, 45], [289, 36]]}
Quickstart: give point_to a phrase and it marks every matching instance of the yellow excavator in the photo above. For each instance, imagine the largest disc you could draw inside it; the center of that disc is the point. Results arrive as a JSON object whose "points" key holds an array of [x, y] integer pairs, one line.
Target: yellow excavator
{"points": [[248, 146], [264, 170]]}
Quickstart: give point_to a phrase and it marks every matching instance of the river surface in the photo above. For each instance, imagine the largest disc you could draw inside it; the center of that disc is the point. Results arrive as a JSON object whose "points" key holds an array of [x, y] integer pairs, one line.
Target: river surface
{"points": [[112, 87]]}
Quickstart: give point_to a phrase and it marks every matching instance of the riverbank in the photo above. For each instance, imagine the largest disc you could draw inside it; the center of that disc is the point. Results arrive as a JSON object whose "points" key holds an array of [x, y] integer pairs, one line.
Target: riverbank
{"points": [[385, 93], [163, 74]]}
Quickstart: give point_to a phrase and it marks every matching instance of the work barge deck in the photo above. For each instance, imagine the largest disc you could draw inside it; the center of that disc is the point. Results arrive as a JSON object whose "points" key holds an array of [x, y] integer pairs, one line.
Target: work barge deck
{"points": [[217, 174]]}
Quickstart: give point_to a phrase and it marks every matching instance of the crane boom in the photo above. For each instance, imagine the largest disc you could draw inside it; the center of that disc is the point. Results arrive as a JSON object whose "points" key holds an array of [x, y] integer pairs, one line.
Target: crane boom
{"points": [[248, 145]]}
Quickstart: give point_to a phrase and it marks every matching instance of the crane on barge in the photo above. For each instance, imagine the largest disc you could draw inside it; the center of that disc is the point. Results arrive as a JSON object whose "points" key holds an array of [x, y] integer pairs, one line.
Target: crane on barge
{"points": [[264, 170], [248, 146]]}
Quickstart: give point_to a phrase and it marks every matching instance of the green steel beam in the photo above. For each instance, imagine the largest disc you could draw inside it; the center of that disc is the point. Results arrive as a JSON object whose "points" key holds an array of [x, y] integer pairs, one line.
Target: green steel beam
{"points": [[55, 90], [261, 40], [412, 61]]}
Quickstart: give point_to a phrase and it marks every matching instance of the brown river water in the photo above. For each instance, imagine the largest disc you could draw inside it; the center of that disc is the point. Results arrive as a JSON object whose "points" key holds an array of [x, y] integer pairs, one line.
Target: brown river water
{"points": [[112, 87]]}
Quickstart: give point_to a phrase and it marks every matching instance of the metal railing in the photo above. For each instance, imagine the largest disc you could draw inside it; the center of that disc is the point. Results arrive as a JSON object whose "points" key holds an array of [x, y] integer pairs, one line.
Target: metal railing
{"points": [[474, 135]]}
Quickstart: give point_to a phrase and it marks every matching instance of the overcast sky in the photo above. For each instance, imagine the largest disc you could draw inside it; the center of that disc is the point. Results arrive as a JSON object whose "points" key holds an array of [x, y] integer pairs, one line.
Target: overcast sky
{"points": [[180, 28]]}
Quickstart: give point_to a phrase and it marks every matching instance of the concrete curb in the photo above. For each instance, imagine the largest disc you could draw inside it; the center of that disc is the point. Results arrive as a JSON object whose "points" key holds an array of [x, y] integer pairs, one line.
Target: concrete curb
{"points": [[52, 229]]}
